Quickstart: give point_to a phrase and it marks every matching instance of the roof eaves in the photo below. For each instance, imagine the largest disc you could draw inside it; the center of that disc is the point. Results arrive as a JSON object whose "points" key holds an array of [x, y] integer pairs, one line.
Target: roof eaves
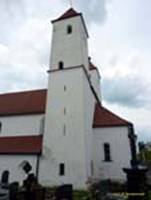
{"points": [[110, 125], [22, 113]]}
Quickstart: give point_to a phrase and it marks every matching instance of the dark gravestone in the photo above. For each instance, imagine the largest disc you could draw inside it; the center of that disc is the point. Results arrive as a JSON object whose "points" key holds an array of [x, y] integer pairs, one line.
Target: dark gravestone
{"points": [[30, 182], [136, 182], [136, 174], [5, 177], [64, 192], [31, 189], [13, 190]]}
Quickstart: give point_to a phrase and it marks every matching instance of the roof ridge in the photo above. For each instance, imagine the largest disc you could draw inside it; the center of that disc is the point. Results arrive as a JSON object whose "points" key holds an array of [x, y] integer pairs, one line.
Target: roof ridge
{"points": [[69, 13], [21, 136], [23, 91]]}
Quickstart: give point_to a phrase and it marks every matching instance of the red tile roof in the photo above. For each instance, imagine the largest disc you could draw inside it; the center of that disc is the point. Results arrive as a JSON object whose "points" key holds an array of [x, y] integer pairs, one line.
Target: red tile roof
{"points": [[34, 102], [21, 145], [71, 13], [92, 66], [68, 14], [19, 103], [105, 118]]}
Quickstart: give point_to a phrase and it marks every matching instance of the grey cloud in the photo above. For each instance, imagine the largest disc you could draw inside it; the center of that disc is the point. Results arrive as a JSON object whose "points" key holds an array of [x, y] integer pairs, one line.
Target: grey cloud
{"points": [[126, 91], [14, 79], [94, 11], [14, 13], [24, 45], [11, 16], [144, 134], [24, 32]]}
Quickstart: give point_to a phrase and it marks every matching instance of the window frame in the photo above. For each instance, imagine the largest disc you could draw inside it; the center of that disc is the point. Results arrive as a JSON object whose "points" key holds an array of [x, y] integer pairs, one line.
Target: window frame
{"points": [[61, 65], [61, 169], [107, 152], [69, 29], [0, 127]]}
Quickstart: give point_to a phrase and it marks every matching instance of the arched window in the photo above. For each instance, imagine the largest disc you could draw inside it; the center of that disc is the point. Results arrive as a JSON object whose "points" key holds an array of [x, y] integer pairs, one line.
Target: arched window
{"points": [[61, 65], [107, 152], [69, 29]]}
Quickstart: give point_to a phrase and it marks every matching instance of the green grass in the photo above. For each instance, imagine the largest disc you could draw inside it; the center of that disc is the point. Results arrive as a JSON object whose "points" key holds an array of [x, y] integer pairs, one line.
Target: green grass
{"points": [[80, 195], [149, 195], [77, 194]]}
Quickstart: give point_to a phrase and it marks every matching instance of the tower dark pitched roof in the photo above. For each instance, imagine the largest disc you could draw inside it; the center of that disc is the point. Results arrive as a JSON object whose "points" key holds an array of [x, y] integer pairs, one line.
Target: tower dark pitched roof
{"points": [[71, 13], [68, 14]]}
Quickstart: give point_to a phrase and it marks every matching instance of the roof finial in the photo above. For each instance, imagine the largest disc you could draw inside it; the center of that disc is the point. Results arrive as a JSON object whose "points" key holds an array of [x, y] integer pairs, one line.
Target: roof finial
{"points": [[71, 3]]}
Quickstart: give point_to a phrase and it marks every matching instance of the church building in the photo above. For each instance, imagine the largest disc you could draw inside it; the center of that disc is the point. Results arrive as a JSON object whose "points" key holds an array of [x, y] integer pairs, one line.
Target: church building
{"points": [[64, 131]]}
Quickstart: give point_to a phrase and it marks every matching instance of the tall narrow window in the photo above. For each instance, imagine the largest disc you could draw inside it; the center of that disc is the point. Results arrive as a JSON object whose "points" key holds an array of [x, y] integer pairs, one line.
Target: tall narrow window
{"points": [[65, 88], [61, 65], [61, 169], [92, 168], [42, 125], [64, 130], [107, 152], [69, 29], [64, 111], [0, 127]]}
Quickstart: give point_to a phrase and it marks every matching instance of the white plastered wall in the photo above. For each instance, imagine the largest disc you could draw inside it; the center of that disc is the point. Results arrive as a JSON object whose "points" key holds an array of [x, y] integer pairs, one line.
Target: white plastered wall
{"points": [[70, 48], [12, 164], [65, 92], [118, 139], [95, 81], [89, 106], [21, 125]]}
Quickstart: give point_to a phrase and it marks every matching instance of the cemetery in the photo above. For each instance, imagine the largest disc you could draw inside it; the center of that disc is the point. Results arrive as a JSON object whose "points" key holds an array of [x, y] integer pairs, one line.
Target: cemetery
{"points": [[135, 188]]}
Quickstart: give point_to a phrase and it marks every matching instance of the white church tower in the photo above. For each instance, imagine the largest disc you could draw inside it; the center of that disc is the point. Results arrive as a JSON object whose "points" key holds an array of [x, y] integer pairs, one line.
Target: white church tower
{"points": [[67, 155], [69, 41]]}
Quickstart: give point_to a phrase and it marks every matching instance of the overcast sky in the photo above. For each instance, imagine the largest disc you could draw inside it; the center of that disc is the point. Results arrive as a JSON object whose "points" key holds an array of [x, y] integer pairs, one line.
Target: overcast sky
{"points": [[119, 44]]}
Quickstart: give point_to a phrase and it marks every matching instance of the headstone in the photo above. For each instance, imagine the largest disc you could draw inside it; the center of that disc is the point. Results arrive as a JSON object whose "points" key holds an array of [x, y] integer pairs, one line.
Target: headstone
{"points": [[136, 182], [5, 177], [64, 192], [4, 194], [13, 190], [136, 174]]}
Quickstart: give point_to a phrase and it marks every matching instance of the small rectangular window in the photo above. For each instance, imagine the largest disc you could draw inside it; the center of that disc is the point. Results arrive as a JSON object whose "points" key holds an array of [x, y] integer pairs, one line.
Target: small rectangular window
{"points": [[69, 29], [0, 127], [65, 88], [61, 65], [42, 125], [61, 169], [64, 130], [107, 152], [92, 168], [64, 111]]}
